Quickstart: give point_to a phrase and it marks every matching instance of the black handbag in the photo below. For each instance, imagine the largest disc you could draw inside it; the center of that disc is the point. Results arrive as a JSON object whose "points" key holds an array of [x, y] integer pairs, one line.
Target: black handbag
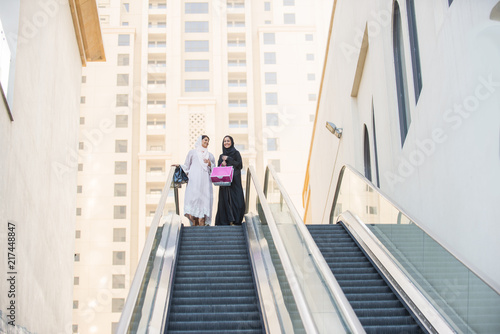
{"points": [[180, 177]]}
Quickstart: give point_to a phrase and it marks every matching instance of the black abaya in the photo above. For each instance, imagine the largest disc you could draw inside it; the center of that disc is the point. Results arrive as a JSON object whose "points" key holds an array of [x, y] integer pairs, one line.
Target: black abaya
{"points": [[231, 206]]}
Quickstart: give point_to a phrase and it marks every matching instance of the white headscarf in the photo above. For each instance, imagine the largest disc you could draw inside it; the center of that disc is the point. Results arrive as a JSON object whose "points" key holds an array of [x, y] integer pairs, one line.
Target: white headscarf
{"points": [[201, 153]]}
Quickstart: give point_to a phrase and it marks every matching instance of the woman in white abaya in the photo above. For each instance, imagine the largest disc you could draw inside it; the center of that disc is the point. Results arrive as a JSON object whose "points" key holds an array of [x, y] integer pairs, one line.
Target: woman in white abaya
{"points": [[199, 191]]}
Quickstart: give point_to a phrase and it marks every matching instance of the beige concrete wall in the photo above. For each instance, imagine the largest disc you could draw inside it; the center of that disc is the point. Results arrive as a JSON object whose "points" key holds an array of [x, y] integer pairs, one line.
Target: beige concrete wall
{"points": [[38, 163]]}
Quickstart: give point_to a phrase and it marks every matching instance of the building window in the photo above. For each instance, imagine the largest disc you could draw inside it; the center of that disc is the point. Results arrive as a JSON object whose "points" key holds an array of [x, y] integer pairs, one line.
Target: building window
{"points": [[289, 18], [120, 189], [401, 78], [196, 26], [121, 121], [121, 146], [310, 56], [271, 99], [118, 258], [414, 50], [288, 2], [84, 79], [309, 37], [76, 280], [269, 57], [118, 281], [269, 38], [272, 144], [78, 234], [272, 119], [122, 100], [78, 189], [74, 328], [196, 46], [311, 97], [122, 79], [81, 145], [120, 167], [77, 257], [82, 120], [126, 7], [276, 164], [196, 8], [311, 76], [119, 235], [124, 24], [78, 211], [117, 305], [82, 99], [371, 210], [80, 167], [267, 6], [123, 59], [197, 86], [367, 156], [120, 212], [267, 22], [123, 40], [196, 65], [75, 304], [271, 78]]}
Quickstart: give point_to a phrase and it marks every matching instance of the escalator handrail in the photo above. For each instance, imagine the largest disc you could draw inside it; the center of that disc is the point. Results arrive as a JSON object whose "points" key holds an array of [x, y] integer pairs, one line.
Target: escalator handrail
{"points": [[396, 206], [135, 287], [345, 307], [430, 318], [297, 292]]}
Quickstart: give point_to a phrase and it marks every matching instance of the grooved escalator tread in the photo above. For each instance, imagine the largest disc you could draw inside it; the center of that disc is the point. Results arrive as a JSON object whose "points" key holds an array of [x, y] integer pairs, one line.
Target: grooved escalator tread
{"points": [[379, 310], [213, 289]]}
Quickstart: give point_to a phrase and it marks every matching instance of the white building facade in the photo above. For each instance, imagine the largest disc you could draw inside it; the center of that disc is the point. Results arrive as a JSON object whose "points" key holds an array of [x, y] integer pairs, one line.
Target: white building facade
{"points": [[415, 87]]}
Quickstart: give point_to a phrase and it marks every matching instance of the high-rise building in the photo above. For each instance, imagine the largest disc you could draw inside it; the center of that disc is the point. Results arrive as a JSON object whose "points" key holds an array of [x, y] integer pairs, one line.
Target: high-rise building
{"points": [[177, 70]]}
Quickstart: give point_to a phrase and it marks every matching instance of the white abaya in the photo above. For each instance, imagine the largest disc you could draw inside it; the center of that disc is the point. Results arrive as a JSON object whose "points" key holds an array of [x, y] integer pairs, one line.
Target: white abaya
{"points": [[198, 198]]}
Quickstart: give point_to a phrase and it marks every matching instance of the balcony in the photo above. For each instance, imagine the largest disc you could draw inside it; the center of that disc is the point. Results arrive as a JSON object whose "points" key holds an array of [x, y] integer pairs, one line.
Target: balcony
{"points": [[237, 86], [157, 88], [153, 198], [236, 27], [157, 68], [159, 47], [156, 108], [237, 66], [236, 8], [236, 45], [157, 28], [155, 130], [155, 176], [157, 9]]}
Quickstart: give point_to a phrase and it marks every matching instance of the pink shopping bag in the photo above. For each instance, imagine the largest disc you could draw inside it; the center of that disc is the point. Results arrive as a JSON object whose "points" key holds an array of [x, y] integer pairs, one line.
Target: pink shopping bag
{"points": [[222, 176]]}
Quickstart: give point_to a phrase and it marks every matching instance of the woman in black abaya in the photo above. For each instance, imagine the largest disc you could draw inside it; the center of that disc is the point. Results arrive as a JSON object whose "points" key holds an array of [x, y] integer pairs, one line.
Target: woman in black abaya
{"points": [[231, 206]]}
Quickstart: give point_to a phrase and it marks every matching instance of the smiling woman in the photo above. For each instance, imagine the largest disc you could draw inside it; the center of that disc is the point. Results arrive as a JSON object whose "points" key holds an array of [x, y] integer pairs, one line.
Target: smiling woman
{"points": [[199, 192]]}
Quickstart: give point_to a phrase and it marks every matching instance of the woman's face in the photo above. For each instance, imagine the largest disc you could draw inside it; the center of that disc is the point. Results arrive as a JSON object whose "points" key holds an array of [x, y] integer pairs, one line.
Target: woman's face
{"points": [[204, 142], [227, 142]]}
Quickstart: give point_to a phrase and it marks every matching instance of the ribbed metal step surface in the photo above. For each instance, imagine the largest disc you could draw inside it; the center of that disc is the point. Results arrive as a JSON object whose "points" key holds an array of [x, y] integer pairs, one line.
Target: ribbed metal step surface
{"points": [[379, 310], [213, 290]]}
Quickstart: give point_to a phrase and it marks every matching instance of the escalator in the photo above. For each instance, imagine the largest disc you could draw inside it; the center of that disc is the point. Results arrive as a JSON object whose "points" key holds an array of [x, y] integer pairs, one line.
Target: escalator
{"points": [[365, 273], [214, 290], [377, 306]]}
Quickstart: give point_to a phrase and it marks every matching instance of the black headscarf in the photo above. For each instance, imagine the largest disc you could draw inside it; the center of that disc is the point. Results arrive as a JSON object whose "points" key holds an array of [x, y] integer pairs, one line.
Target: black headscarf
{"points": [[231, 150]]}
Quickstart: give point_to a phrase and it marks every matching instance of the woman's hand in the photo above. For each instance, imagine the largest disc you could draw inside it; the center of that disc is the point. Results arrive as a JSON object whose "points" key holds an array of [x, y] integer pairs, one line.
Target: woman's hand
{"points": [[207, 161], [223, 163], [175, 165]]}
